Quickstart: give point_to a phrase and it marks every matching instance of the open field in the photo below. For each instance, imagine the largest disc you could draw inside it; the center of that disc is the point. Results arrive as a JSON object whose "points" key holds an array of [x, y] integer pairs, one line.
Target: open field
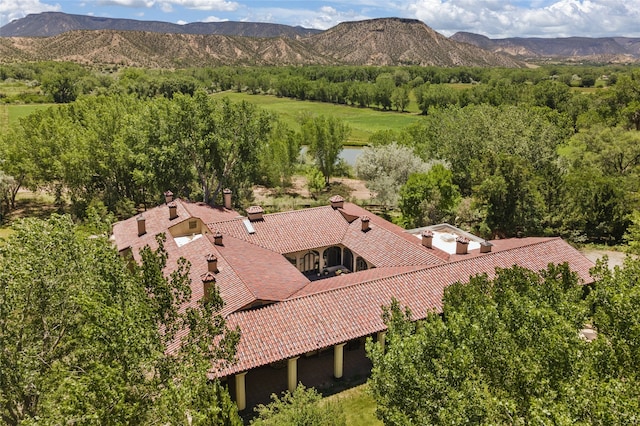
{"points": [[11, 113], [363, 121]]}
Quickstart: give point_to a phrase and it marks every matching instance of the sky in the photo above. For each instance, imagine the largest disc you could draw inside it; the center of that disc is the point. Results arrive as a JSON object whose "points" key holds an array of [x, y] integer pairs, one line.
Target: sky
{"points": [[492, 18]]}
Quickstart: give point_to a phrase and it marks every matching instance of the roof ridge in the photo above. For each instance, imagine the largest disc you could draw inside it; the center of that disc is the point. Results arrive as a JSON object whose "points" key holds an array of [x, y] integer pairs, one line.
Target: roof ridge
{"points": [[306, 209], [415, 271], [399, 274], [544, 240]]}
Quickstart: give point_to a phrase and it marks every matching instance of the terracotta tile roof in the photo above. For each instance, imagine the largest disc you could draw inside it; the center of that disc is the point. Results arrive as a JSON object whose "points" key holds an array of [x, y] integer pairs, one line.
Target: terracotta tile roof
{"points": [[235, 293], [345, 280], [312, 315], [233, 290], [290, 231], [268, 275], [125, 233], [384, 245], [351, 311]]}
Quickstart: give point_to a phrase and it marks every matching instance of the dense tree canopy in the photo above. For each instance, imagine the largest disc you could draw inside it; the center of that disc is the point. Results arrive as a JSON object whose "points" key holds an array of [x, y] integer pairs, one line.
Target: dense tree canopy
{"points": [[508, 351], [125, 151], [428, 198], [141, 132], [84, 336]]}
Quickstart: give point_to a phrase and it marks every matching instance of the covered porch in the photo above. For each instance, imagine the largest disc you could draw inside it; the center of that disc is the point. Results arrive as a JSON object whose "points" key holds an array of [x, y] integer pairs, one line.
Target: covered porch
{"points": [[328, 370]]}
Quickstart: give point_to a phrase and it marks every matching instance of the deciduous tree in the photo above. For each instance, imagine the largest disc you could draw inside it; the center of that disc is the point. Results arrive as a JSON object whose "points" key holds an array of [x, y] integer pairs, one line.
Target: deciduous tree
{"points": [[428, 198], [508, 350], [386, 168], [84, 336], [302, 407], [324, 136]]}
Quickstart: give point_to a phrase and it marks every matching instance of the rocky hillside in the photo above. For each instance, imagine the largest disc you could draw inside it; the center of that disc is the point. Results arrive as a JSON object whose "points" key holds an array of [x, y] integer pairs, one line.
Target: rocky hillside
{"points": [[393, 41], [389, 41], [153, 50], [606, 49], [50, 24]]}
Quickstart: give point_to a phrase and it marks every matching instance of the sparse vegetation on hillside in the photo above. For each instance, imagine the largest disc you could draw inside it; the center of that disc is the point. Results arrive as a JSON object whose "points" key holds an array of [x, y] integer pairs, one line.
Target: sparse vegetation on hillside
{"points": [[400, 43]]}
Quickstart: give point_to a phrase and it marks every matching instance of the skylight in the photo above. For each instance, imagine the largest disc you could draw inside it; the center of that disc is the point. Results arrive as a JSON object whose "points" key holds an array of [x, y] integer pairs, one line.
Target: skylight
{"points": [[180, 241], [249, 226]]}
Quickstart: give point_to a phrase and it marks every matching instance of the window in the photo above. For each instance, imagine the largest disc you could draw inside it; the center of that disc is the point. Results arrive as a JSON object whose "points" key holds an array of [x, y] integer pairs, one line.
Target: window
{"points": [[332, 256], [193, 224], [310, 261], [347, 259], [361, 264]]}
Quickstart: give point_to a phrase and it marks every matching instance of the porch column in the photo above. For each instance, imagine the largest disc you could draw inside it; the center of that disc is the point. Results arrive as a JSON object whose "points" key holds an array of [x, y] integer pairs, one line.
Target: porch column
{"points": [[321, 260], [241, 395], [380, 338], [338, 360], [292, 373]]}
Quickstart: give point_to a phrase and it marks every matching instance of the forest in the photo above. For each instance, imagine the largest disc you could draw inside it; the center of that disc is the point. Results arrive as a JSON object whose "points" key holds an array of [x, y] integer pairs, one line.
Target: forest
{"points": [[501, 152]]}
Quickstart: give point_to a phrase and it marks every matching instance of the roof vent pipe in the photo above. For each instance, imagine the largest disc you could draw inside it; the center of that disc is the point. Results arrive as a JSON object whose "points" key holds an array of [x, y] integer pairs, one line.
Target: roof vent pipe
{"points": [[226, 195], [337, 202], [427, 238], [217, 238], [212, 263], [142, 228], [173, 210], [365, 223], [168, 197], [462, 245], [485, 247], [255, 213]]}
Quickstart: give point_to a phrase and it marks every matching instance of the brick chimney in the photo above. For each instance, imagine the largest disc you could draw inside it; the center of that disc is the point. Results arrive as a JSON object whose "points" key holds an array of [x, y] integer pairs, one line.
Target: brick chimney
{"points": [[208, 283], [462, 245], [168, 197], [217, 238], [485, 247], [337, 202], [255, 213], [226, 195], [212, 263], [427, 238], [173, 210], [365, 223], [142, 226]]}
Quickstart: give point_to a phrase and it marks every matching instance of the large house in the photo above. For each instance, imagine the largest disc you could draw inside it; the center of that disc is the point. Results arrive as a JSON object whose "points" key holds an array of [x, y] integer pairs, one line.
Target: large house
{"points": [[306, 287]]}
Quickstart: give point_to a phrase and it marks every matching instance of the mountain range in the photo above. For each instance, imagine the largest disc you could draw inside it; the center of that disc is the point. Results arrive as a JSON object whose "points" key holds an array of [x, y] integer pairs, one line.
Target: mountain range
{"points": [[604, 49], [383, 41]]}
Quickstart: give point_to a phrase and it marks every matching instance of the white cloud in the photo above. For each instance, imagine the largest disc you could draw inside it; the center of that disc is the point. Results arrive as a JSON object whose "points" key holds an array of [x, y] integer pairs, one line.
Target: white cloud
{"points": [[322, 18], [167, 5], [544, 18], [220, 5], [214, 19], [128, 3], [16, 9]]}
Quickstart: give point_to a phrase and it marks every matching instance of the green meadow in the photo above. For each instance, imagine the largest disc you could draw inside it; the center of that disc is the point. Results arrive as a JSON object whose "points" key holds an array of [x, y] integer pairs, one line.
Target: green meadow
{"points": [[358, 405], [11, 113], [363, 121]]}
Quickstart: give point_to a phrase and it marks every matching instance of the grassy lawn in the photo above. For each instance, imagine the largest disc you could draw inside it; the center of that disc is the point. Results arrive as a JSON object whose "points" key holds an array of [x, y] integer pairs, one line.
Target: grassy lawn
{"points": [[29, 204], [363, 121], [358, 406], [16, 112]]}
